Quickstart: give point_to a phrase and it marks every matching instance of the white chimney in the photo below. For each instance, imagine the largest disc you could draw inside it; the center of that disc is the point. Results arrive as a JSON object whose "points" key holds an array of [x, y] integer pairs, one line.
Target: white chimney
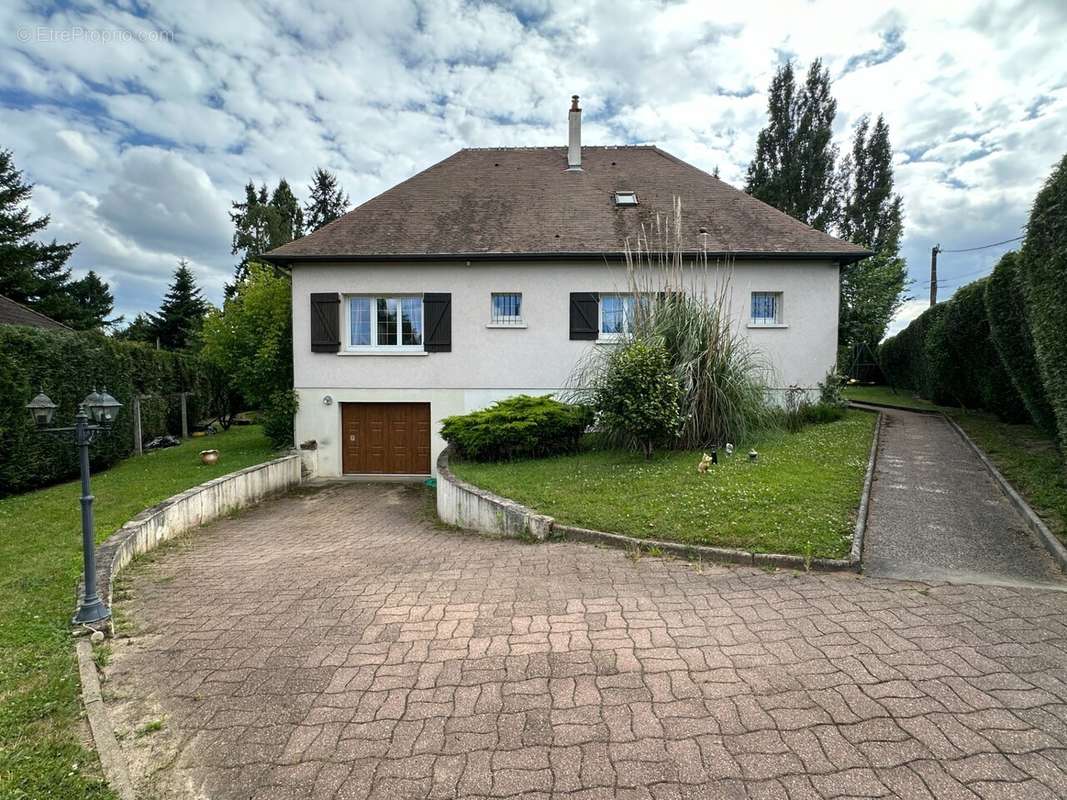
{"points": [[574, 145]]}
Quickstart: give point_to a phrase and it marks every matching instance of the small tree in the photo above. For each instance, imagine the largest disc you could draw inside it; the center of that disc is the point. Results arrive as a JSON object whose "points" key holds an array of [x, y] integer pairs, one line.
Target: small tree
{"points": [[182, 312], [637, 397], [251, 340]]}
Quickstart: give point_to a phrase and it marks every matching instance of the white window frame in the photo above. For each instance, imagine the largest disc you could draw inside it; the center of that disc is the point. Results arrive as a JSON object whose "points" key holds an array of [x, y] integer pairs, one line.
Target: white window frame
{"points": [[374, 347], [779, 307], [628, 299], [507, 322]]}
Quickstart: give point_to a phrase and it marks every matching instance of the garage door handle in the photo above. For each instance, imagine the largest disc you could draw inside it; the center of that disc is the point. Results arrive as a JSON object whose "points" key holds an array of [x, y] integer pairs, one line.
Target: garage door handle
{"points": [[352, 437]]}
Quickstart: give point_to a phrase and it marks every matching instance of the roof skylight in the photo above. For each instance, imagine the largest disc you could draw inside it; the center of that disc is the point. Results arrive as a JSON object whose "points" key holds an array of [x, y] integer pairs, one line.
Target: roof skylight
{"points": [[626, 198]]}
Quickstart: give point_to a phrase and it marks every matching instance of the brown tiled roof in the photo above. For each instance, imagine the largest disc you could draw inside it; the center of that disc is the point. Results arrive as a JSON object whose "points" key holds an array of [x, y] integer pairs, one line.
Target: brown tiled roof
{"points": [[12, 313], [522, 201]]}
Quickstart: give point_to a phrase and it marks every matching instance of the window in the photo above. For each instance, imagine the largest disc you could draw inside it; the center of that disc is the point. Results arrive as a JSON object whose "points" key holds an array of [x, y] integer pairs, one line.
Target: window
{"points": [[384, 323], [626, 198], [766, 308], [505, 309], [616, 314]]}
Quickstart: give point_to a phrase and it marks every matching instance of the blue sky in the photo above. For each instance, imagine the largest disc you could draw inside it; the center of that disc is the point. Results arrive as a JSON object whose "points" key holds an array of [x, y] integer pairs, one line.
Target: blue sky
{"points": [[140, 121]]}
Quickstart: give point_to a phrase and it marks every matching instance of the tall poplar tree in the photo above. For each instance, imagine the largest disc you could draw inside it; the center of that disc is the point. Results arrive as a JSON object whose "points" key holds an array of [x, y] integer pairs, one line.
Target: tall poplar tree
{"points": [[872, 290], [328, 200], [795, 166]]}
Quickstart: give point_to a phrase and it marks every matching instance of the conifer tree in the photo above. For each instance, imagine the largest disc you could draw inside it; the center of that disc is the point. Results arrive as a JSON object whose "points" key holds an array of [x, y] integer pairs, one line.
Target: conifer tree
{"points": [[31, 272], [181, 315], [328, 200]]}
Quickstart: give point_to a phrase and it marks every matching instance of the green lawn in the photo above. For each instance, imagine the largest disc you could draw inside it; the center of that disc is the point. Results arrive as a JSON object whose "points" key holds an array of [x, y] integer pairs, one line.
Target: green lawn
{"points": [[41, 754], [800, 497], [1027, 458], [884, 395]]}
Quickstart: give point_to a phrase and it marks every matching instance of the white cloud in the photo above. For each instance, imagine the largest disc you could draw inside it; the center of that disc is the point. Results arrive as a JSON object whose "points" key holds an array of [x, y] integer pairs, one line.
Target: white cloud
{"points": [[137, 147]]}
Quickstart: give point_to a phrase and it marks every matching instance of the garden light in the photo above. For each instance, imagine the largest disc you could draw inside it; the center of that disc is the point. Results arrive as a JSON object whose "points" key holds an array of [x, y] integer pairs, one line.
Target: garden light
{"points": [[42, 410]]}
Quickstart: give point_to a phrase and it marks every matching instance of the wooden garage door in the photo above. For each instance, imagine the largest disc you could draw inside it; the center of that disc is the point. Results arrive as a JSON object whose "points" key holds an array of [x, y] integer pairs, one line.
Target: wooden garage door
{"points": [[385, 438]]}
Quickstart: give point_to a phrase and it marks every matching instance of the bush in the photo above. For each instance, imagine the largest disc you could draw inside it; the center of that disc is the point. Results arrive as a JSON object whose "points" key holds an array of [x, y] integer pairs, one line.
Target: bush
{"points": [[821, 413], [278, 416], [831, 389], [520, 427], [637, 397], [1043, 269], [67, 366], [1009, 327]]}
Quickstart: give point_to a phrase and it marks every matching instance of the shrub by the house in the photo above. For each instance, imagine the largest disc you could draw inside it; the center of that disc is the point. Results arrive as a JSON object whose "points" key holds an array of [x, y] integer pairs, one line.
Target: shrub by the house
{"points": [[519, 427], [1043, 274], [1010, 331], [638, 398]]}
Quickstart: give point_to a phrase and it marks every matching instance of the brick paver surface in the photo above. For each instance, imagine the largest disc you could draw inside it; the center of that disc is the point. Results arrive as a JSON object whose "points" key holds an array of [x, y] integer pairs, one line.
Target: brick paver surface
{"points": [[335, 644]]}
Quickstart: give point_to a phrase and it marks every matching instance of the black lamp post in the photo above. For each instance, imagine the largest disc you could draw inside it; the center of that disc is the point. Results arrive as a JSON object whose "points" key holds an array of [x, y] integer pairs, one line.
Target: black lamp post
{"points": [[96, 413]]}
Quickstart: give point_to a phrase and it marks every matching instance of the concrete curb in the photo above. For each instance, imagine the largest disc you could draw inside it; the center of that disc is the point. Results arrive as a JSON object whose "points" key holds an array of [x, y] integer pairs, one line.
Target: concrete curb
{"points": [[107, 746], [190, 509], [490, 513], [860, 531], [863, 405], [1033, 521]]}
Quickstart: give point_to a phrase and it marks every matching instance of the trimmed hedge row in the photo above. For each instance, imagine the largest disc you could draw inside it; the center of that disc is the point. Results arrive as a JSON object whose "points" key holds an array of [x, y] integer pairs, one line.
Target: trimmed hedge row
{"points": [[1014, 342], [67, 366], [947, 355], [1043, 277]]}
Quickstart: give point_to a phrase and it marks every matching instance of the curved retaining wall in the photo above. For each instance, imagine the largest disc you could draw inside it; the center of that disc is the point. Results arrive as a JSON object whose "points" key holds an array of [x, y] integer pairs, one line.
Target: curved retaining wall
{"points": [[466, 506], [191, 509]]}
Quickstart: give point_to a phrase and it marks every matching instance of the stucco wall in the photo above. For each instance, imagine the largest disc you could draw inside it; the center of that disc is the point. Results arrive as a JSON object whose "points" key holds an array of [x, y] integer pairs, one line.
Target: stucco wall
{"points": [[487, 364]]}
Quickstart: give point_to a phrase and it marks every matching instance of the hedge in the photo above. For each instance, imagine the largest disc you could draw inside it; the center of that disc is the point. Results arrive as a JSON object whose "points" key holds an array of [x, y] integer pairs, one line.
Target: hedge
{"points": [[947, 355], [1010, 328], [67, 366], [1043, 277], [904, 356]]}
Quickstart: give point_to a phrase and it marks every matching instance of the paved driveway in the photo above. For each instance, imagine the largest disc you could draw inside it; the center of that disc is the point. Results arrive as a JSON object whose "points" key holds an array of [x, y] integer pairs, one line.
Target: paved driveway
{"points": [[335, 644]]}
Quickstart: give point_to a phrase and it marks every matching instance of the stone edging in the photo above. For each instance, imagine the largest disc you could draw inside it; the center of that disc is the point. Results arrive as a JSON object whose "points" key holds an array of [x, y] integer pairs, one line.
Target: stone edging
{"points": [[467, 506], [190, 509], [1033, 521], [112, 759], [863, 405]]}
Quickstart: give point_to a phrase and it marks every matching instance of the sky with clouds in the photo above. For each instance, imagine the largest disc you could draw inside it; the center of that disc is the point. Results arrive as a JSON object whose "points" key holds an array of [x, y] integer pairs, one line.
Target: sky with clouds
{"points": [[140, 122]]}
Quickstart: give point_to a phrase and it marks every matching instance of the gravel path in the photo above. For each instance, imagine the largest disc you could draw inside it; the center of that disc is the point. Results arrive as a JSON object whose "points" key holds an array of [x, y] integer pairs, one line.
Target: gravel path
{"points": [[938, 515]]}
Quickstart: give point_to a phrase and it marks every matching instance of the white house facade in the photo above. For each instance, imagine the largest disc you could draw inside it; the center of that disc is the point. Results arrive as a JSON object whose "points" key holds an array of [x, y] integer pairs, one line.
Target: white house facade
{"points": [[494, 272]]}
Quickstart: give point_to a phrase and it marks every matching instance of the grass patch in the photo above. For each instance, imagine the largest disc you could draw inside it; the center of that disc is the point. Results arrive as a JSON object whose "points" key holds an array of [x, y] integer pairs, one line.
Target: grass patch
{"points": [[155, 726], [885, 395], [40, 561], [1028, 459], [800, 496]]}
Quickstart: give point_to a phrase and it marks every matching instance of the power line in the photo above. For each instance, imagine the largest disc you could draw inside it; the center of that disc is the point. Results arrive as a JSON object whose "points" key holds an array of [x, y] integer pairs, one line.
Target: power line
{"points": [[983, 247]]}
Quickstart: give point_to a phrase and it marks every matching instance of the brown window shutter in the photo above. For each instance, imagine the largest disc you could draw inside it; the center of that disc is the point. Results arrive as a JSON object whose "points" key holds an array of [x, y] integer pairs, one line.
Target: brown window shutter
{"points": [[585, 313], [325, 322], [437, 317]]}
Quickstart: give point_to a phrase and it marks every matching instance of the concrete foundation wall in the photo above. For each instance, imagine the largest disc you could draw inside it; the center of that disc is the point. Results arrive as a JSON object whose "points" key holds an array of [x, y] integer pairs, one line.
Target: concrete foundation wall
{"points": [[191, 509]]}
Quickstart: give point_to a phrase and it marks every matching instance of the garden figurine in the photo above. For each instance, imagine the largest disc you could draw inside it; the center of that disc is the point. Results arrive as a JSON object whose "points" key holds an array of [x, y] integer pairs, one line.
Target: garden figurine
{"points": [[705, 462]]}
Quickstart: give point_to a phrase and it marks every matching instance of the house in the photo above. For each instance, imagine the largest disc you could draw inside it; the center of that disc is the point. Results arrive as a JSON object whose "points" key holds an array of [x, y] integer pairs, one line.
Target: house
{"points": [[492, 272], [12, 313]]}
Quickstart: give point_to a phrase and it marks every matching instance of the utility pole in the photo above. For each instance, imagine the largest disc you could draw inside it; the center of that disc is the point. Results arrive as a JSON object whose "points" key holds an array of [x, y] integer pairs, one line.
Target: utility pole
{"points": [[933, 273]]}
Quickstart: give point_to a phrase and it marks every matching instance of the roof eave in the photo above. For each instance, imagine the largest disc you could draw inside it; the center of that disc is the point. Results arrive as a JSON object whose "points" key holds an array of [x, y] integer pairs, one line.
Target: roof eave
{"points": [[753, 255]]}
